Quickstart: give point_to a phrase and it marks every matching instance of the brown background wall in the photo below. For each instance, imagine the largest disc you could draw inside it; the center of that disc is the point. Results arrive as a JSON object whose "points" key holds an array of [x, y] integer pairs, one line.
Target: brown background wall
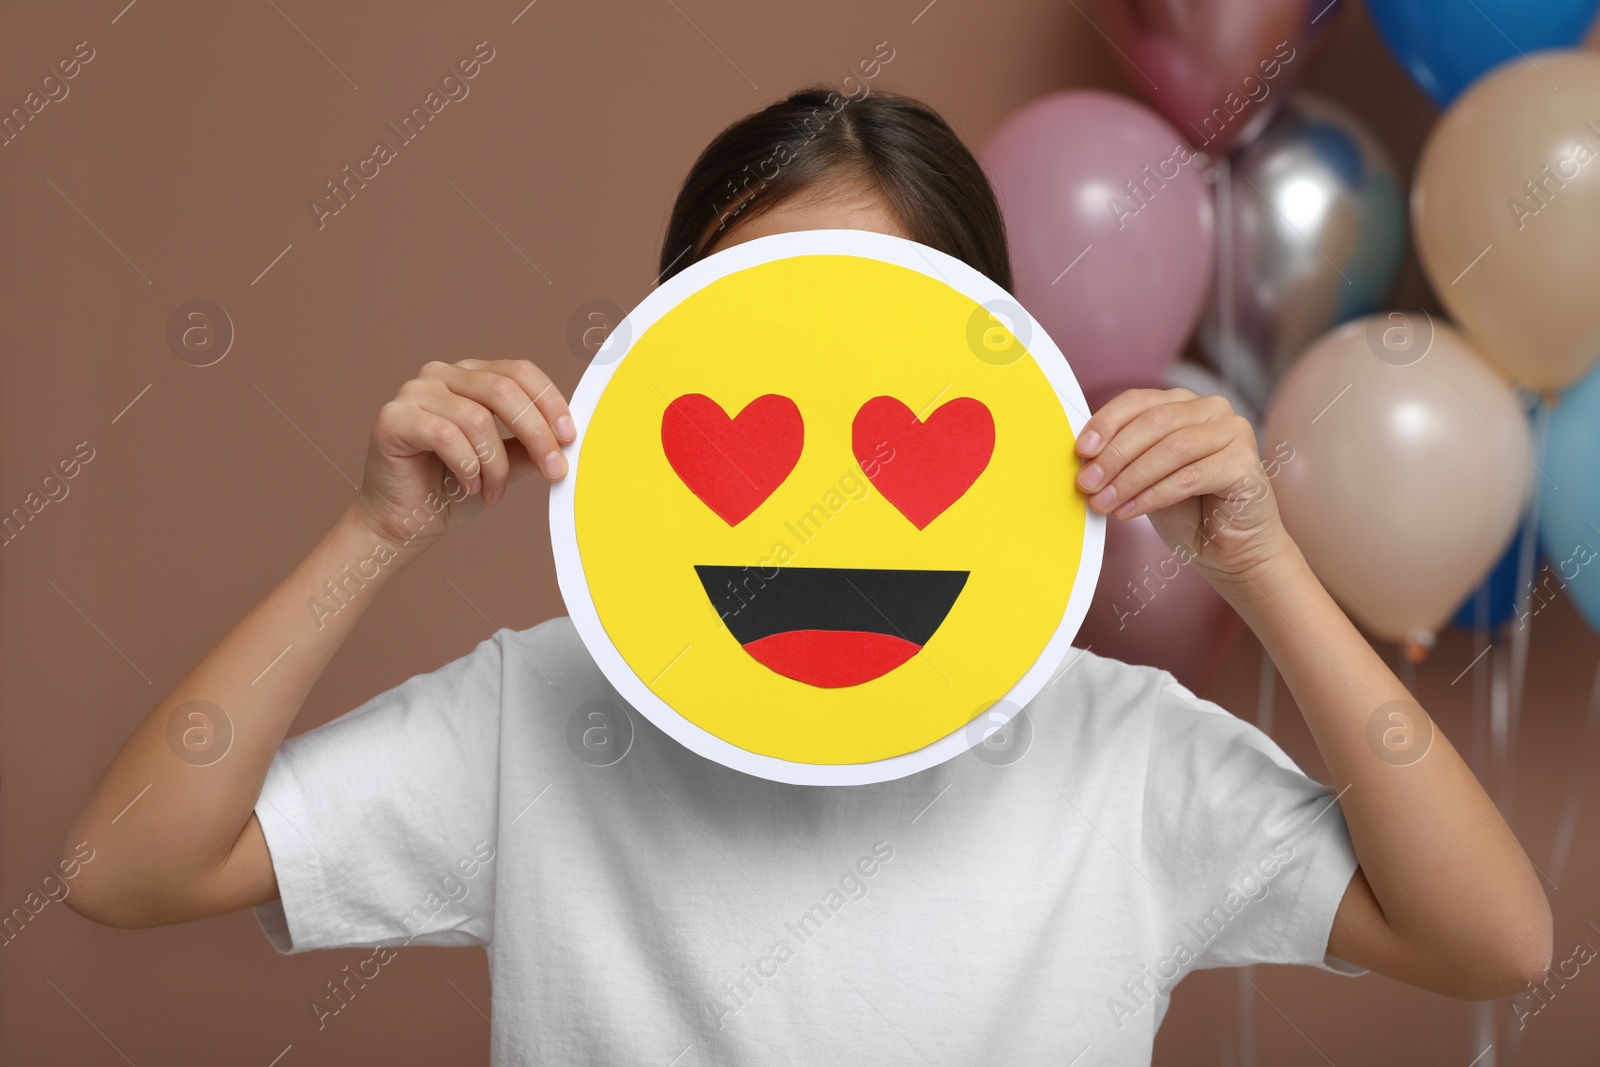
{"points": [[180, 166]]}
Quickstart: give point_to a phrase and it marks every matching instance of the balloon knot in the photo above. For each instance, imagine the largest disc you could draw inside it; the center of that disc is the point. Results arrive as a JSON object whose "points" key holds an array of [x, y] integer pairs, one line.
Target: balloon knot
{"points": [[1416, 645]]}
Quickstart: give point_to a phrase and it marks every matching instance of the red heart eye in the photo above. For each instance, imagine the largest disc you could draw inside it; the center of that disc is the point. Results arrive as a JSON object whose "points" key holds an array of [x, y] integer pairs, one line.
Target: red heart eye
{"points": [[732, 464], [923, 467]]}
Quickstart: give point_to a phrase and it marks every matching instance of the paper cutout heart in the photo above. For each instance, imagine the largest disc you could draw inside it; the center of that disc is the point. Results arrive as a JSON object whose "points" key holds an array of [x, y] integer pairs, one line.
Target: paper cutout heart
{"points": [[931, 464], [732, 464]]}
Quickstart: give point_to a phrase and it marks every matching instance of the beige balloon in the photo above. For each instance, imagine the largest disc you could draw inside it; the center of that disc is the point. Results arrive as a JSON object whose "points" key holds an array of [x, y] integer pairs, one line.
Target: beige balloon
{"points": [[1506, 206], [1411, 468]]}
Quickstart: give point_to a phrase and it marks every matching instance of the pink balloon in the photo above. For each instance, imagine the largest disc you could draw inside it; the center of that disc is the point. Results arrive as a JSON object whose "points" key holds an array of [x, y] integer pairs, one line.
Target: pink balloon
{"points": [[1217, 69], [1150, 608], [1111, 230]]}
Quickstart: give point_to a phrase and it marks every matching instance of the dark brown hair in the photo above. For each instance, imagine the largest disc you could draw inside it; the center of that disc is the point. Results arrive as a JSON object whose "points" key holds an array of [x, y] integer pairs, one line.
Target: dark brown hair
{"points": [[895, 144]]}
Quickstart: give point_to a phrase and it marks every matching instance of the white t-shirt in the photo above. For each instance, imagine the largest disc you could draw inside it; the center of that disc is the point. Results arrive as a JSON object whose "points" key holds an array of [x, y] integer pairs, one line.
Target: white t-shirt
{"points": [[661, 908]]}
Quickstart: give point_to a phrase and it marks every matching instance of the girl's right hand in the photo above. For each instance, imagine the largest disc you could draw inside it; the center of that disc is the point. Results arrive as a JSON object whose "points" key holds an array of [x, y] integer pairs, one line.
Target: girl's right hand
{"points": [[438, 437]]}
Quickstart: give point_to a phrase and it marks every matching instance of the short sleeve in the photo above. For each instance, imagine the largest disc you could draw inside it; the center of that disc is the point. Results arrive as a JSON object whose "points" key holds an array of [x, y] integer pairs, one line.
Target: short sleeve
{"points": [[382, 823], [1249, 856]]}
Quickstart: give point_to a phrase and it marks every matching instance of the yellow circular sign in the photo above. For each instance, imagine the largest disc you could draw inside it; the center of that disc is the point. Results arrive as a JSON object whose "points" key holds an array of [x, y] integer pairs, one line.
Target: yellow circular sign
{"points": [[821, 514]]}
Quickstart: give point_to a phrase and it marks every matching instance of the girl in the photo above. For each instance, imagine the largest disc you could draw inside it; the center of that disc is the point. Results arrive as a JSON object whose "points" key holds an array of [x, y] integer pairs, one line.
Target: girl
{"points": [[640, 904]]}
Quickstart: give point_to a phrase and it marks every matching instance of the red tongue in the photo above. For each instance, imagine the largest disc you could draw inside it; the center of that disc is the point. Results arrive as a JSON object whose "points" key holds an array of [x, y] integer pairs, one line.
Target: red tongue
{"points": [[830, 659]]}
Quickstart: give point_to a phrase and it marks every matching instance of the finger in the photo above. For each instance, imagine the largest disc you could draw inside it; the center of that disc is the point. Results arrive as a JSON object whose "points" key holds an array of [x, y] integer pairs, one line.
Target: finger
{"points": [[1171, 452], [545, 395], [1141, 433], [518, 462], [476, 423], [505, 396], [404, 429], [1215, 473], [539, 388], [517, 456], [1117, 412]]}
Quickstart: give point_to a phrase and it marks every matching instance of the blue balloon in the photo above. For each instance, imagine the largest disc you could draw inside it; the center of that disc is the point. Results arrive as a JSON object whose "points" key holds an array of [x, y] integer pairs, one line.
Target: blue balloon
{"points": [[1569, 511], [1494, 602], [1446, 44]]}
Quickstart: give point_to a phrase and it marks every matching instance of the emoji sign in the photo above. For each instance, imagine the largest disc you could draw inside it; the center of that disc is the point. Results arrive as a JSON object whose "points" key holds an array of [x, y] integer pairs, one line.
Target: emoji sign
{"points": [[821, 523]]}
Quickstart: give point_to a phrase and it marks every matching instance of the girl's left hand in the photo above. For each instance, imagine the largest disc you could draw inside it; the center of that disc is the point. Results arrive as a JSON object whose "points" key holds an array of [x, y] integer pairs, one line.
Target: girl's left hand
{"points": [[1192, 465]]}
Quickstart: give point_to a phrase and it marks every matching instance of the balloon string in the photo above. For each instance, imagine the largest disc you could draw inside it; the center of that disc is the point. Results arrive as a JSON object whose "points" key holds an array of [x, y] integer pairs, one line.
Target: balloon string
{"points": [[1485, 1041], [1266, 695], [1222, 174], [1527, 552], [1480, 691], [1500, 792], [1520, 637], [1567, 831], [1268, 684], [1482, 681], [1483, 1012], [1247, 1018], [1406, 670], [1499, 726]]}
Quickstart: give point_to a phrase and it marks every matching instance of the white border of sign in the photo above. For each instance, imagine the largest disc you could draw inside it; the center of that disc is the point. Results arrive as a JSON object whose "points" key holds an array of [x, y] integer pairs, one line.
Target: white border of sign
{"points": [[563, 530]]}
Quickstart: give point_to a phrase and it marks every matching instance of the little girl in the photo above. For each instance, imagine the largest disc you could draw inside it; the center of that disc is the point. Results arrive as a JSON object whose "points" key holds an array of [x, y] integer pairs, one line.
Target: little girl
{"points": [[641, 904]]}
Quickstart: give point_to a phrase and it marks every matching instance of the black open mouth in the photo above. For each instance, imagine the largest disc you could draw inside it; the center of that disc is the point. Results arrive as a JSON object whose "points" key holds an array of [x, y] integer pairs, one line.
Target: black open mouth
{"points": [[831, 626]]}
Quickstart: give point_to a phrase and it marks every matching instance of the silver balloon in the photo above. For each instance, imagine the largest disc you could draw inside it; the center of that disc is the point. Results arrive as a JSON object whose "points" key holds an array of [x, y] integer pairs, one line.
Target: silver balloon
{"points": [[1311, 227]]}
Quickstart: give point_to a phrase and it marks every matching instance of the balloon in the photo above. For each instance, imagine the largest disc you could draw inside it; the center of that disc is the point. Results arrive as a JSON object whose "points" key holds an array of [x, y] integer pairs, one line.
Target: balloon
{"points": [[1506, 207], [1569, 512], [1494, 602], [1149, 607], [1445, 44], [1408, 476], [1318, 229], [1217, 69], [1110, 228]]}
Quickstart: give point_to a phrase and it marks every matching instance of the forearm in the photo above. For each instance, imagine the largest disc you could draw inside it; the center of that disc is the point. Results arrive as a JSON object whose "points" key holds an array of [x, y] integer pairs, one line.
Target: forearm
{"points": [[168, 810], [1446, 870]]}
